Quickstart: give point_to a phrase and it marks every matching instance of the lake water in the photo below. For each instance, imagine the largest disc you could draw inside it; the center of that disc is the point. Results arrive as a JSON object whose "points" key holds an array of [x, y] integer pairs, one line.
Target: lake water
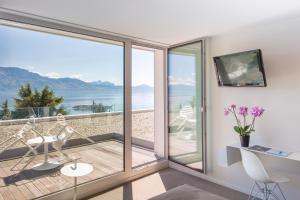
{"points": [[139, 101]]}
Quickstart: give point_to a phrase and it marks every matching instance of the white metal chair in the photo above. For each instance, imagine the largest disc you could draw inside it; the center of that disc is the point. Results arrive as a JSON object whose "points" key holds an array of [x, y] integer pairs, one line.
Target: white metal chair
{"points": [[64, 133], [185, 119], [20, 136], [256, 170]]}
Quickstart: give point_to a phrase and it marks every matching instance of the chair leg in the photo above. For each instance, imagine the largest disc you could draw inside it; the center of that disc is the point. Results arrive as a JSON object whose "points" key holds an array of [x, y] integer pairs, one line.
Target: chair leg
{"points": [[23, 168], [275, 196], [33, 150], [64, 154], [12, 144], [250, 194], [281, 191], [85, 137], [259, 191], [6, 141], [264, 191]]}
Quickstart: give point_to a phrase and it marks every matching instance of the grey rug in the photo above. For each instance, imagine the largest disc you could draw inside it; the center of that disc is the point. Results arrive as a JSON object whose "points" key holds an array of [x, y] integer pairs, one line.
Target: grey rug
{"points": [[187, 192]]}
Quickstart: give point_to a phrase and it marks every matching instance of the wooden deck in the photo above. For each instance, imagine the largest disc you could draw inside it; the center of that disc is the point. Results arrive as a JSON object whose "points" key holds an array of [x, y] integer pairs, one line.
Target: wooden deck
{"points": [[106, 158]]}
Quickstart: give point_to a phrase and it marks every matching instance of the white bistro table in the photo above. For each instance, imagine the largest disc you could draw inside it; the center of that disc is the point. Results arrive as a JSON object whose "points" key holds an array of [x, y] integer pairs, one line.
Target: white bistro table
{"points": [[47, 164], [76, 170]]}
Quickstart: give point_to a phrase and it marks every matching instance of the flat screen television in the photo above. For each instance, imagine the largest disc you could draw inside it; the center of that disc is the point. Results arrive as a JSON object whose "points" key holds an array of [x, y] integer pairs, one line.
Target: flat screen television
{"points": [[241, 69]]}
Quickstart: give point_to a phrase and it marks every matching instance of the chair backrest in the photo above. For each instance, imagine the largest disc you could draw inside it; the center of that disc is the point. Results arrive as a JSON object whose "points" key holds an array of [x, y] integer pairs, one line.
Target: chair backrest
{"points": [[186, 111], [25, 129], [61, 119], [254, 167], [64, 134]]}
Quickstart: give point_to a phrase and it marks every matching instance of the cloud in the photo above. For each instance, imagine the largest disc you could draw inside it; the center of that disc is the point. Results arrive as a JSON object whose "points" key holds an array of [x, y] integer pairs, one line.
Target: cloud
{"points": [[181, 81], [30, 68], [53, 75], [77, 76]]}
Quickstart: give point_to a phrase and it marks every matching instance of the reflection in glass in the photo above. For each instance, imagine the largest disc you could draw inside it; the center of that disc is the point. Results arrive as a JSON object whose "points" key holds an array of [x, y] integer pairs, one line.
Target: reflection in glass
{"points": [[185, 101]]}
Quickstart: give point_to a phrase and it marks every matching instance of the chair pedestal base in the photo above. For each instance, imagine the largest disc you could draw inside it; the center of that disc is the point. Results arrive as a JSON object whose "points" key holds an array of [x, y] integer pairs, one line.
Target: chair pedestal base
{"points": [[46, 166]]}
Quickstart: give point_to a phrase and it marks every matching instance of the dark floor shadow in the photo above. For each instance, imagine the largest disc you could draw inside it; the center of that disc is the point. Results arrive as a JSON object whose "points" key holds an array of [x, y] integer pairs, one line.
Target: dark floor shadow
{"points": [[127, 191], [31, 175], [172, 178]]}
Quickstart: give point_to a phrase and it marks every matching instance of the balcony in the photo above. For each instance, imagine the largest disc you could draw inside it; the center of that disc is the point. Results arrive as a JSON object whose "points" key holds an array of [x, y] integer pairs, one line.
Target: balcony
{"points": [[106, 154]]}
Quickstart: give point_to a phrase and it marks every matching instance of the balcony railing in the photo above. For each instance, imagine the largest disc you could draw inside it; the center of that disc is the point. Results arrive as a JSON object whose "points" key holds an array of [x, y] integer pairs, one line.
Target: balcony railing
{"points": [[97, 126]]}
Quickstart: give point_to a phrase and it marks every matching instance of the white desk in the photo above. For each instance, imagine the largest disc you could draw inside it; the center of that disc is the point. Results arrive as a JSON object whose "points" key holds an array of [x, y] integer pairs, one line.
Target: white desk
{"points": [[46, 165], [233, 154]]}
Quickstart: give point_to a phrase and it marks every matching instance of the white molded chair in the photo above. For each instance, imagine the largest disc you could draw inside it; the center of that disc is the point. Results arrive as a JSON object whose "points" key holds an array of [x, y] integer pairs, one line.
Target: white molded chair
{"points": [[256, 170]]}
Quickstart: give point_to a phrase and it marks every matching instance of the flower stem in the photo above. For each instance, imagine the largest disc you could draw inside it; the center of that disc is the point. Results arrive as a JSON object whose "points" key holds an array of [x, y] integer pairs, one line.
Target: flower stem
{"points": [[252, 125], [237, 120]]}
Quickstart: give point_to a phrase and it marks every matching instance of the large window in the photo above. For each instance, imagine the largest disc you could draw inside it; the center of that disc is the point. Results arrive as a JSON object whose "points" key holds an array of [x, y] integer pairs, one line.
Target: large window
{"points": [[67, 89], [65, 97]]}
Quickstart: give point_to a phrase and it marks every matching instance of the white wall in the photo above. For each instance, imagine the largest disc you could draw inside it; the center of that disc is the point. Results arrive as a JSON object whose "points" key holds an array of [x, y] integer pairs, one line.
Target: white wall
{"points": [[280, 126]]}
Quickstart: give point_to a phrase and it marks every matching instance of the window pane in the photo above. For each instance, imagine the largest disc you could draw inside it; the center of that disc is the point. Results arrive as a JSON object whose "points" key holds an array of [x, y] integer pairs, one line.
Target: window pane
{"points": [[185, 100], [144, 149], [65, 96]]}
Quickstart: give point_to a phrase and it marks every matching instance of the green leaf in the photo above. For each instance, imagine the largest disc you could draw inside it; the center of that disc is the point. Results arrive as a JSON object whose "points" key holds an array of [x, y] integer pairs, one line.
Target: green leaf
{"points": [[246, 128], [237, 129]]}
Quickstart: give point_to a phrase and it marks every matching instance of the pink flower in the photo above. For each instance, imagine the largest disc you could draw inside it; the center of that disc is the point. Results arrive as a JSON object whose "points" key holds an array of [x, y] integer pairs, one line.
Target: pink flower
{"points": [[243, 110], [227, 111], [261, 111], [233, 106], [257, 111]]}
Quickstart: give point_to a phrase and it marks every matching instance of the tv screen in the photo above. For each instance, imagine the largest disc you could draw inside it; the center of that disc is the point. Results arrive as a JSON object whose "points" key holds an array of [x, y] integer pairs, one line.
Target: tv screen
{"points": [[241, 69]]}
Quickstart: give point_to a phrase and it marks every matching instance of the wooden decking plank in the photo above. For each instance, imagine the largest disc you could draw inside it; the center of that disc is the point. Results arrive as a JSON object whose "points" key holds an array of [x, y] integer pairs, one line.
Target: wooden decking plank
{"points": [[32, 188], [106, 158]]}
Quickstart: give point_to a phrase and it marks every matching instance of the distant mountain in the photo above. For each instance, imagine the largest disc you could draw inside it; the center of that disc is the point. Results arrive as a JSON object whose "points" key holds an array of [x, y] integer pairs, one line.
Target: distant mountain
{"points": [[180, 90], [103, 83], [11, 78], [143, 88]]}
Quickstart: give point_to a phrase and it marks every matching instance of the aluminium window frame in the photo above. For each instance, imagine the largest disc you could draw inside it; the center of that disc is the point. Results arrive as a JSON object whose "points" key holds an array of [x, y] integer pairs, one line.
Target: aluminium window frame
{"points": [[172, 163], [70, 30]]}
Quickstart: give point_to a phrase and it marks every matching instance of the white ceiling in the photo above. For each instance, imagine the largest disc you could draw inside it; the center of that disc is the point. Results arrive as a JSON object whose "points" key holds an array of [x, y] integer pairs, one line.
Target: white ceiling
{"points": [[165, 21]]}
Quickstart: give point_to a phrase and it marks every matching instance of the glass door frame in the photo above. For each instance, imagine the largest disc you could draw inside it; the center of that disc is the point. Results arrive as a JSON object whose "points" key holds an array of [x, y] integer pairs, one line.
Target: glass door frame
{"points": [[160, 110], [37, 23], [203, 103]]}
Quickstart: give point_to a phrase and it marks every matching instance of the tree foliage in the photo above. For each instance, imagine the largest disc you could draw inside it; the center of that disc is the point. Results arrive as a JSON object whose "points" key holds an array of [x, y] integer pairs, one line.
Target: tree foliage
{"points": [[5, 113], [42, 102]]}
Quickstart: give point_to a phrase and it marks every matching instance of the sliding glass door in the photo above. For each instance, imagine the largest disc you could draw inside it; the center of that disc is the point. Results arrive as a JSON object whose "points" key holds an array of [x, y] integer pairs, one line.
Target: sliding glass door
{"points": [[185, 102], [147, 106]]}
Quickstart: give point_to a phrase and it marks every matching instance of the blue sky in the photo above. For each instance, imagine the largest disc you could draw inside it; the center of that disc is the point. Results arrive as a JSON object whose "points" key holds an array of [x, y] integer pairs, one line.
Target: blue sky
{"points": [[181, 70], [58, 56]]}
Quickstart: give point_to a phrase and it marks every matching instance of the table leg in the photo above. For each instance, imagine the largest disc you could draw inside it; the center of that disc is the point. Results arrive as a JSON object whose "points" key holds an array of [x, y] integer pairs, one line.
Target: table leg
{"points": [[46, 165], [75, 188], [46, 152]]}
